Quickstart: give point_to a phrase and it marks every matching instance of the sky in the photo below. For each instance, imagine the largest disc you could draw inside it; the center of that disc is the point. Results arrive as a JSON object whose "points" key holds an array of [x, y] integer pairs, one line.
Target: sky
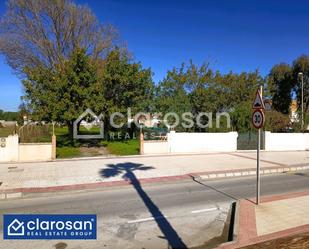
{"points": [[230, 35]]}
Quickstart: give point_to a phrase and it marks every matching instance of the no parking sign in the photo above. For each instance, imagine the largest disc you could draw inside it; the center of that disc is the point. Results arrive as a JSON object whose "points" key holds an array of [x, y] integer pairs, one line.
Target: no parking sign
{"points": [[258, 118]]}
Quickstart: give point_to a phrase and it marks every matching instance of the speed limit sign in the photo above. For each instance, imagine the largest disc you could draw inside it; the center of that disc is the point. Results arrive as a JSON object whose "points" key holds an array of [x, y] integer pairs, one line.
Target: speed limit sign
{"points": [[258, 118]]}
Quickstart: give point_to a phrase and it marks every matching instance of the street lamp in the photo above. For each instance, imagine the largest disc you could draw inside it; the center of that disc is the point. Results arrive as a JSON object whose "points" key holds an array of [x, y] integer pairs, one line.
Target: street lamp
{"points": [[302, 100]]}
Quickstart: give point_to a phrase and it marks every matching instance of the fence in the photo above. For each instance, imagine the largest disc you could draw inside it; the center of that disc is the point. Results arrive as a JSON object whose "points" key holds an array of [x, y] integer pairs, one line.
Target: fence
{"points": [[35, 133], [248, 140], [6, 130], [155, 133]]}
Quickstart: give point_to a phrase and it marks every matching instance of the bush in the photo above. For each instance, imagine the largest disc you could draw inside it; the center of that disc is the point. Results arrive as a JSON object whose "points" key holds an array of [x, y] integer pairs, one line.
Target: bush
{"points": [[276, 121]]}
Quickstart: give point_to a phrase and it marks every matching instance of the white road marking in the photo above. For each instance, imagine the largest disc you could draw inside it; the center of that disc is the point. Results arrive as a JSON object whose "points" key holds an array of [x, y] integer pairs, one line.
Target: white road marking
{"points": [[147, 219], [160, 217], [203, 210]]}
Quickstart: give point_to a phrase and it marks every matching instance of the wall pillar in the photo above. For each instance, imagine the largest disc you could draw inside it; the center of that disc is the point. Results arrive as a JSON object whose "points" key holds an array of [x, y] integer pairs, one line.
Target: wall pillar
{"points": [[141, 143], [54, 146]]}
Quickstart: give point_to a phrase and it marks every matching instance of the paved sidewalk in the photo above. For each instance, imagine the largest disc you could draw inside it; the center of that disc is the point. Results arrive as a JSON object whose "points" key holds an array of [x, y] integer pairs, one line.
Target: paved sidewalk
{"points": [[82, 173], [280, 215], [276, 217]]}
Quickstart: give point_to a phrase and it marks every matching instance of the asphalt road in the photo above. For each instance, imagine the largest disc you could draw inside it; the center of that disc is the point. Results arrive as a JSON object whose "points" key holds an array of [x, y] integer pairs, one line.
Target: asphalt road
{"points": [[186, 213]]}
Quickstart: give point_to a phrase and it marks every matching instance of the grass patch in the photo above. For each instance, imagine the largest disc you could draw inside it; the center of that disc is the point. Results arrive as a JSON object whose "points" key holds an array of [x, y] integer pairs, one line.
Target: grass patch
{"points": [[68, 152], [125, 147], [121, 148], [92, 131], [67, 149], [59, 131]]}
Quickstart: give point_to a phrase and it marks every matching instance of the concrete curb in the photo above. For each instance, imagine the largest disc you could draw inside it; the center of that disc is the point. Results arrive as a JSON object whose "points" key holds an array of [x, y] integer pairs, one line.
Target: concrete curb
{"points": [[19, 192], [210, 175], [234, 228], [247, 172], [236, 221], [246, 224]]}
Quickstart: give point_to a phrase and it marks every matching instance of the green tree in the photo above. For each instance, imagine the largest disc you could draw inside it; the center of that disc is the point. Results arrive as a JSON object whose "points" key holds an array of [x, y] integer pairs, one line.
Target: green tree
{"points": [[63, 94], [202, 88], [198, 89], [172, 95], [241, 117], [104, 86], [237, 89], [280, 81], [9, 116], [125, 84]]}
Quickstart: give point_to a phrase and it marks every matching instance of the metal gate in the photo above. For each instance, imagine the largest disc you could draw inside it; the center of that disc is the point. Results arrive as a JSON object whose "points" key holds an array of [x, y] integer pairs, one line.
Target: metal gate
{"points": [[248, 140]]}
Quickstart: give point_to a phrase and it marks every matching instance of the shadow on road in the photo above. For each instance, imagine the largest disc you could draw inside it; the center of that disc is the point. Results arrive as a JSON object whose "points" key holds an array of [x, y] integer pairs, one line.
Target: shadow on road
{"points": [[219, 191], [127, 169]]}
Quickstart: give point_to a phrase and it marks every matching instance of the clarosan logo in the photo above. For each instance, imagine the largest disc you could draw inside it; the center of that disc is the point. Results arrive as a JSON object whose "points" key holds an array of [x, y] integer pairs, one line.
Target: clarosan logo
{"points": [[49, 226]]}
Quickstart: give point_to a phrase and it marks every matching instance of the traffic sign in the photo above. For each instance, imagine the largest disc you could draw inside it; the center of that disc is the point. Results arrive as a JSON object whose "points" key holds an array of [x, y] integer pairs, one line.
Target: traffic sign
{"points": [[258, 101], [258, 118]]}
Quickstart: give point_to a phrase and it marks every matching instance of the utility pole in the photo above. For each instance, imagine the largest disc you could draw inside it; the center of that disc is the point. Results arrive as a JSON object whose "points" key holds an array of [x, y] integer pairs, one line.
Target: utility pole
{"points": [[302, 103], [302, 100]]}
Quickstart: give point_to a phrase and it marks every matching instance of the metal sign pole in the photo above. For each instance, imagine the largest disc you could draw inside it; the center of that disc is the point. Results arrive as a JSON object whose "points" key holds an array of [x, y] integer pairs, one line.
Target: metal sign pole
{"points": [[258, 180], [258, 168]]}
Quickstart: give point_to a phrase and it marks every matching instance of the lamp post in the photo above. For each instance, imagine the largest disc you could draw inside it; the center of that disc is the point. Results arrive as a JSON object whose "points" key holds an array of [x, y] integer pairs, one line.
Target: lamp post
{"points": [[302, 100]]}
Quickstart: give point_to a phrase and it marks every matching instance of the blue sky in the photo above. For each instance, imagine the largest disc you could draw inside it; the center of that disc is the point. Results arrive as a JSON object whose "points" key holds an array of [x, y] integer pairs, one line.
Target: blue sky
{"points": [[230, 35]]}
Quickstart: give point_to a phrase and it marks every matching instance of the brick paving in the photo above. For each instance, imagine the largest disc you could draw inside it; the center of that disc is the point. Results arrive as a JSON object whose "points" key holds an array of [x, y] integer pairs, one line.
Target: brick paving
{"points": [[298, 241], [278, 222], [279, 215]]}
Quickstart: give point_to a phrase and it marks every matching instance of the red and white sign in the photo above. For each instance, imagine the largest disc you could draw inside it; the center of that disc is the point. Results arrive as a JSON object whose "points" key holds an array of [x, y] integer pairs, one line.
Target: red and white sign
{"points": [[258, 118], [258, 101]]}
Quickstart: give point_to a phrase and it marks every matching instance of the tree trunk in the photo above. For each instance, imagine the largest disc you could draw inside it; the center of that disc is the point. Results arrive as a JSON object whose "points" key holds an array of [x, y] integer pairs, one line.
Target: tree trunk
{"points": [[78, 127], [106, 128], [70, 130]]}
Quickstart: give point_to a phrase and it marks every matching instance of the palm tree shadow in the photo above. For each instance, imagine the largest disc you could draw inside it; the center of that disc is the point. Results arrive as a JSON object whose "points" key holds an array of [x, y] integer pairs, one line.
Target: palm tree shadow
{"points": [[235, 198], [127, 169]]}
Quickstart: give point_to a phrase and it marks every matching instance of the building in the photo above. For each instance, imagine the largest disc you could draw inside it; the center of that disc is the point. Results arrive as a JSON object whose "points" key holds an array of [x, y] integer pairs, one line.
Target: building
{"points": [[293, 112], [4, 123]]}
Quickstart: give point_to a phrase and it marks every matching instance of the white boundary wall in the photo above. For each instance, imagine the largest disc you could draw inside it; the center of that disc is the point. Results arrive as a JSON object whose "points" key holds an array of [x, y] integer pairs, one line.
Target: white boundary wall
{"points": [[286, 141], [9, 151], [35, 152], [13, 151], [155, 147], [184, 142], [306, 143]]}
